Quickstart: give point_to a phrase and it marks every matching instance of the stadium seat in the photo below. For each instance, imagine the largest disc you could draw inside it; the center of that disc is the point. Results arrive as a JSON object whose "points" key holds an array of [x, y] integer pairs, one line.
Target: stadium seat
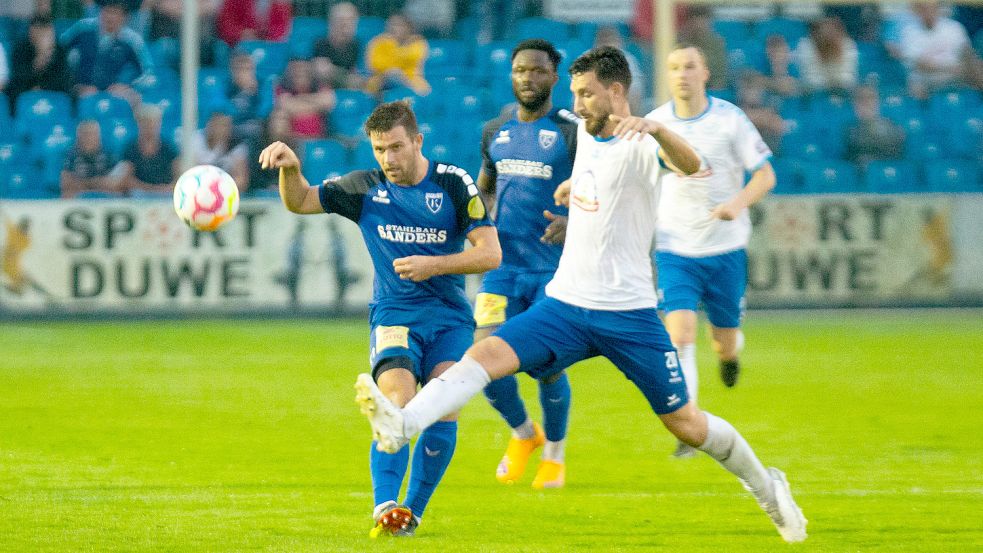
{"points": [[749, 54], [898, 106], [304, 32], [448, 53], [117, 135], [953, 175], [270, 57], [890, 177], [6, 125], [569, 50], [322, 157], [50, 154], [352, 107], [733, 31], [467, 28], [965, 138], [541, 27], [927, 147], [103, 105], [804, 147], [362, 156], [401, 93], [166, 52], [368, 27], [951, 107], [23, 183], [493, 61], [42, 105], [829, 177], [10, 155], [792, 29], [788, 176]]}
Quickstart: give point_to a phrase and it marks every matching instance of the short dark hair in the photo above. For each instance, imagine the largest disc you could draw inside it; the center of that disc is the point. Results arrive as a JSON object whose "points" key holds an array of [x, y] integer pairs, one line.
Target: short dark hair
{"points": [[541, 45], [607, 62], [683, 45], [386, 117]]}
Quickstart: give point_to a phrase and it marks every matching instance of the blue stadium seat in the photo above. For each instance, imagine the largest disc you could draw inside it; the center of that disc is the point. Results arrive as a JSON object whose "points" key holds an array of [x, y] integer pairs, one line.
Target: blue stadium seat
{"points": [[950, 107], [467, 28], [927, 147], [569, 50], [401, 93], [965, 138], [466, 102], [50, 154], [748, 54], [493, 61], [804, 147], [368, 27], [117, 135], [41, 106], [10, 155], [953, 175], [322, 157], [788, 176], [362, 156], [23, 183], [733, 30], [889, 177], [541, 27], [898, 106], [352, 107], [449, 53], [270, 57], [304, 32], [829, 177], [103, 105], [792, 29], [6, 125], [166, 52]]}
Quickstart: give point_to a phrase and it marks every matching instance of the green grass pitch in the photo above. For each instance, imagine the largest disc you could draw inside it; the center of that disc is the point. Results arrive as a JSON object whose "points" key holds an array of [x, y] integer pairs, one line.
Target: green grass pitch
{"points": [[243, 436]]}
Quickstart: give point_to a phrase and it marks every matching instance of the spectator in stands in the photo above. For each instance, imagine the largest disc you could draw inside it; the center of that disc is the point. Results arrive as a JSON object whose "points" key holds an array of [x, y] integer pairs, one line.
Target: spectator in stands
{"points": [[336, 56], [109, 55], [247, 121], [306, 104], [861, 21], [39, 62], [781, 73], [697, 29], [641, 21], [17, 14], [4, 69], [62, 9], [496, 18], [277, 128], [435, 18], [934, 49], [216, 145], [827, 58], [150, 164], [164, 22], [396, 57], [88, 167], [239, 20], [761, 107], [608, 35], [873, 136]]}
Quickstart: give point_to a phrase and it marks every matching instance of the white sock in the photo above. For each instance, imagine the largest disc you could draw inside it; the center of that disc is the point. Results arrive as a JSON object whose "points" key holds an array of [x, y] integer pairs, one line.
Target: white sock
{"points": [[444, 395], [687, 360], [553, 451], [524, 431], [725, 444]]}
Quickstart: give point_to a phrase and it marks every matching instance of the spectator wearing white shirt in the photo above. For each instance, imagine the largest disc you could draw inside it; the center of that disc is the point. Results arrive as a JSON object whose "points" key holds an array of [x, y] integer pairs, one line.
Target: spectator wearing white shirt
{"points": [[827, 58], [934, 49]]}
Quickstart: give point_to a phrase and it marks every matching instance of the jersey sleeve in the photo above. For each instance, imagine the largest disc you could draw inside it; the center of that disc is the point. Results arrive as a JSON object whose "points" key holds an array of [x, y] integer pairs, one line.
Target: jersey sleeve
{"points": [[487, 135], [568, 123], [344, 195], [751, 148], [468, 205]]}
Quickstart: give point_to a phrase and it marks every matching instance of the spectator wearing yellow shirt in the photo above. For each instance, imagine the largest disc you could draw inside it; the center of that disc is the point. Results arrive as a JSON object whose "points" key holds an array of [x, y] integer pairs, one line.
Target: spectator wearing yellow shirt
{"points": [[395, 58]]}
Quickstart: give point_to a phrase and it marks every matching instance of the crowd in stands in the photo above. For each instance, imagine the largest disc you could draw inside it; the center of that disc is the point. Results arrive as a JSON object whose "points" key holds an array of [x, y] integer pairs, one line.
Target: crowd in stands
{"points": [[851, 98]]}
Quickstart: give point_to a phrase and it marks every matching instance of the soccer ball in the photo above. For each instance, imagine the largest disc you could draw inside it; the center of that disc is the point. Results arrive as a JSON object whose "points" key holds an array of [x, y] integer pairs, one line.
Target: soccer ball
{"points": [[206, 197]]}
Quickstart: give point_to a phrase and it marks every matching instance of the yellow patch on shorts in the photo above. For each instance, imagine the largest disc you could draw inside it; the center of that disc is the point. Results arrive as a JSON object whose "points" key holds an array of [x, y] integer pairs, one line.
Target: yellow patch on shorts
{"points": [[391, 337], [489, 309]]}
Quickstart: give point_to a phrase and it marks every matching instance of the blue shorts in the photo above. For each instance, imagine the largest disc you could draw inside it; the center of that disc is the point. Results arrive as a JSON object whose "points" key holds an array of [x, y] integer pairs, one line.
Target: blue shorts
{"points": [[506, 293], [555, 334], [417, 341], [718, 281]]}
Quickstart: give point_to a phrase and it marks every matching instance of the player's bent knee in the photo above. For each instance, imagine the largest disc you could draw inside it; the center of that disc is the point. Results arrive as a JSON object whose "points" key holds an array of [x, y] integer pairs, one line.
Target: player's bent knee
{"points": [[496, 356], [551, 379], [687, 423]]}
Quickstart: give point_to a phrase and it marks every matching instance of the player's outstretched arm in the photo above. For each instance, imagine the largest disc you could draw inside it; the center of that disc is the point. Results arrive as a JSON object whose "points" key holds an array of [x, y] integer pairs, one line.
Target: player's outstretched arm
{"points": [[762, 182], [674, 148], [297, 194], [484, 255]]}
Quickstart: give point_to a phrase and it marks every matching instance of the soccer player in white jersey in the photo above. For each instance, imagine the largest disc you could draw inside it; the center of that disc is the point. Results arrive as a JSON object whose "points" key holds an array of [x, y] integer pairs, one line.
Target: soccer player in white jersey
{"points": [[601, 300], [703, 225]]}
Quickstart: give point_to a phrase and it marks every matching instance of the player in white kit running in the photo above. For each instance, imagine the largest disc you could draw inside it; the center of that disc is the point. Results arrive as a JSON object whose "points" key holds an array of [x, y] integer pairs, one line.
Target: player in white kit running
{"points": [[601, 300]]}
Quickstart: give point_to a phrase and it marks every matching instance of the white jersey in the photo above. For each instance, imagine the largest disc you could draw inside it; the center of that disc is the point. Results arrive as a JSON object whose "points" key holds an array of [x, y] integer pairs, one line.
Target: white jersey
{"points": [[729, 145], [606, 263]]}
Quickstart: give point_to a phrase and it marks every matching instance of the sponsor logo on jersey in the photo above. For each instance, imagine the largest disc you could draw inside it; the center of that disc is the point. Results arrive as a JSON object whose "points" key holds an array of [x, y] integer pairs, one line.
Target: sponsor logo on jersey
{"points": [[412, 235], [503, 137], [381, 196], [547, 138], [524, 168], [434, 201], [583, 193]]}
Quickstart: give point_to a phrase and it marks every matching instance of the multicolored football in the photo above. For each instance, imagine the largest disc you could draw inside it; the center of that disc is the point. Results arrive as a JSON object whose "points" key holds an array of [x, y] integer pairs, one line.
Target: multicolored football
{"points": [[206, 197]]}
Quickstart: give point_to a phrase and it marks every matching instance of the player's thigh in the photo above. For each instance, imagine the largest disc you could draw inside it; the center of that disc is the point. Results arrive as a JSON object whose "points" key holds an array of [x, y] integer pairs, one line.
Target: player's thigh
{"points": [[639, 346], [681, 325], [680, 282], [724, 298], [545, 333], [394, 347], [444, 346]]}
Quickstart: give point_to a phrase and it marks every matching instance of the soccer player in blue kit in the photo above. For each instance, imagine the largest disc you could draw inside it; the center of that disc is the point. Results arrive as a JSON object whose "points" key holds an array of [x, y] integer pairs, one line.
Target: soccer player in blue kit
{"points": [[526, 153], [414, 215], [602, 300]]}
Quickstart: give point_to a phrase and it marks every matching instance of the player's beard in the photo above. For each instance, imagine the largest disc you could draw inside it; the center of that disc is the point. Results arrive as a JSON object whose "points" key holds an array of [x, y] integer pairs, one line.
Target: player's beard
{"points": [[538, 100], [594, 122]]}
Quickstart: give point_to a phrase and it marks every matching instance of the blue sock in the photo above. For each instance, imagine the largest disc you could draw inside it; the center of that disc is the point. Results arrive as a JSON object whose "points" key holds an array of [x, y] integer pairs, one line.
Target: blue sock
{"points": [[555, 399], [503, 394], [388, 470], [433, 452]]}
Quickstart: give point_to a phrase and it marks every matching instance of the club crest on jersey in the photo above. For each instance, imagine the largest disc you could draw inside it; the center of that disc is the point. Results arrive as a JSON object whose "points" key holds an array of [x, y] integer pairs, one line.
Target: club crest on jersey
{"points": [[435, 200], [503, 137], [547, 138]]}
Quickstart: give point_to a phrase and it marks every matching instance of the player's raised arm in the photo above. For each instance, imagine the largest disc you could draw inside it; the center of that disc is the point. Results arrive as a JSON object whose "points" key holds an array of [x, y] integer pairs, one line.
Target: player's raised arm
{"points": [[297, 194], [674, 149]]}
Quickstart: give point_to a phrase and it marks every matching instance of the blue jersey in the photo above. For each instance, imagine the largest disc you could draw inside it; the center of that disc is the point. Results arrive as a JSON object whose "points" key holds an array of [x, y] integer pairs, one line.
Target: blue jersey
{"points": [[528, 161], [430, 218]]}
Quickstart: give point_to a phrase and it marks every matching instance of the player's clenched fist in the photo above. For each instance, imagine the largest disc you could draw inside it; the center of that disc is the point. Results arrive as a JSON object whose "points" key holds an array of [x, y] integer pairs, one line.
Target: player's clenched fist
{"points": [[415, 267], [278, 156], [633, 127]]}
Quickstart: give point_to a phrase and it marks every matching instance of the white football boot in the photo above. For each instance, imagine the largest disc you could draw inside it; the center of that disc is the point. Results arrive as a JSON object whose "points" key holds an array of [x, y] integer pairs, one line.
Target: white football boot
{"points": [[386, 419], [786, 515]]}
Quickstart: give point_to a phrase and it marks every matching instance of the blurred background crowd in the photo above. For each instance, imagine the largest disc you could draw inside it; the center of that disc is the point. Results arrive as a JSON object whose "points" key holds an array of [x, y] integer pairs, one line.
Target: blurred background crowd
{"points": [[851, 98]]}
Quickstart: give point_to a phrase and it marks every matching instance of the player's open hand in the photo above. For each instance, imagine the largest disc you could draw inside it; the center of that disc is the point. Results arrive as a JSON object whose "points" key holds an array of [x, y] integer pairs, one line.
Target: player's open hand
{"points": [[633, 127], [416, 267], [562, 193], [556, 231], [725, 212], [278, 156]]}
